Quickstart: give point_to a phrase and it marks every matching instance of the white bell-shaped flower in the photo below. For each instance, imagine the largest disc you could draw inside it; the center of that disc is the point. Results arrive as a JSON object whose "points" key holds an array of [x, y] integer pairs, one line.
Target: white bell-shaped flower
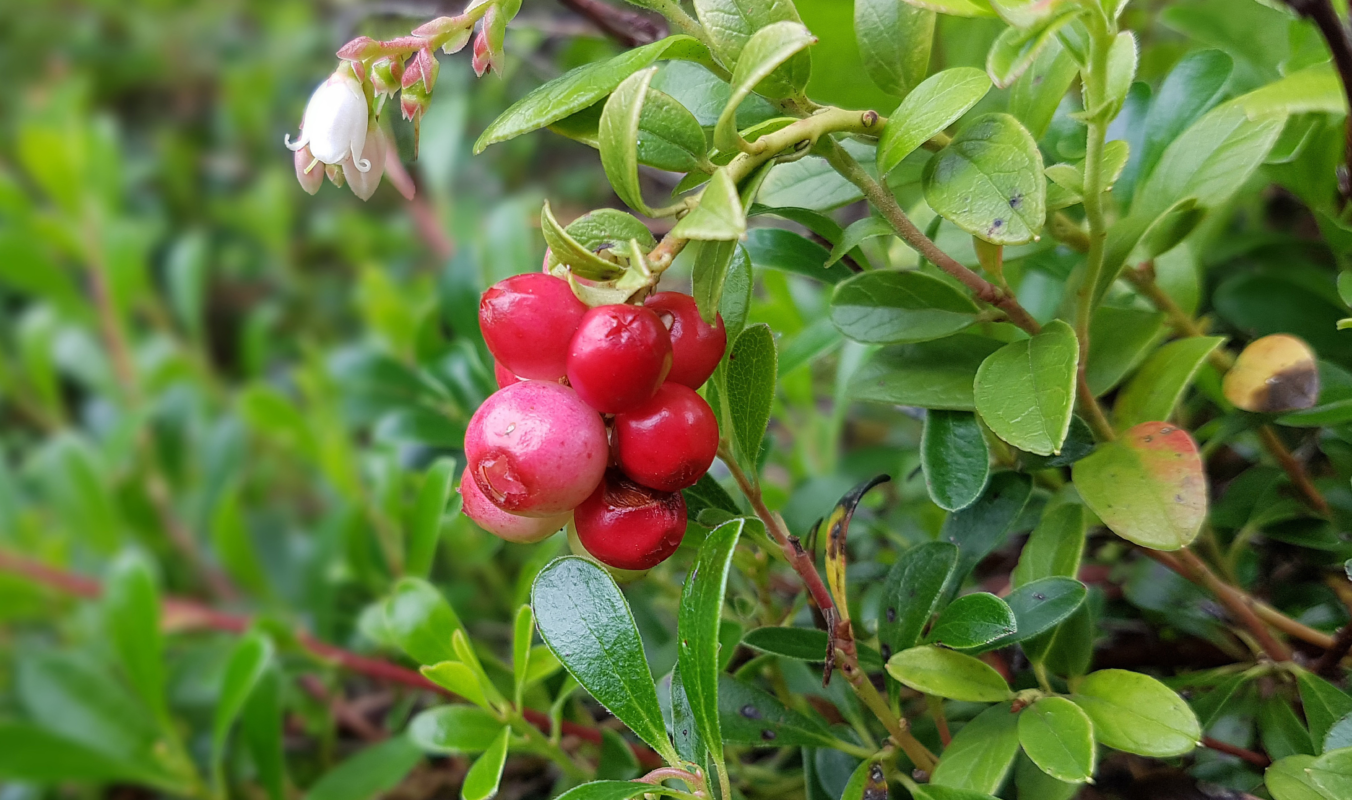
{"points": [[335, 122]]}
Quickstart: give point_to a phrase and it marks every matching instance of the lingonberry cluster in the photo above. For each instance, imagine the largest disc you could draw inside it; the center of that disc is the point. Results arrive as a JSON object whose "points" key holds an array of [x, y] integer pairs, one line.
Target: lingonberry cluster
{"points": [[596, 418]]}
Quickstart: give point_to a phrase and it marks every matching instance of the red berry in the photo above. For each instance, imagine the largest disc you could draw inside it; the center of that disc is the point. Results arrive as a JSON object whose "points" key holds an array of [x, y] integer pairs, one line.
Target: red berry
{"points": [[535, 449], [511, 527], [629, 526], [527, 321], [619, 357], [696, 346], [668, 442], [503, 376]]}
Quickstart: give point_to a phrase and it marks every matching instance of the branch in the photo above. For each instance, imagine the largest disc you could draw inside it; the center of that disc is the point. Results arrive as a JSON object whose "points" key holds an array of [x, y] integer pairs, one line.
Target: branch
{"points": [[189, 613], [1339, 40], [1257, 759], [626, 26]]}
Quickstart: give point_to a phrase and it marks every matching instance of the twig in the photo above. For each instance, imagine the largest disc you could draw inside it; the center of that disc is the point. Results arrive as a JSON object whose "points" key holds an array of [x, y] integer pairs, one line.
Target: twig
{"points": [[1339, 39], [1257, 759], [342, 712], [626, 26], [1342, 643], [188, 613]]}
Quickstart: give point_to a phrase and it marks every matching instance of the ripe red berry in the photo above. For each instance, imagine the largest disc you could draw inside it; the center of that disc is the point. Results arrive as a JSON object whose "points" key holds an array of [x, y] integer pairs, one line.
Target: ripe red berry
{"points": [[535, 449], [668, 442], [527, 321], [619, 357], [629, 526], [503, 376], [696, 346], [511, 527]]}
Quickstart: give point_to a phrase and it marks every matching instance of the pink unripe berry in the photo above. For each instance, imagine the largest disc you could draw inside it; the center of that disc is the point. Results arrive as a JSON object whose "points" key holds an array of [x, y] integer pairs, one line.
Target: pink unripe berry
{"points": [[619, 357], [668, 442], [629, 526], [527, 321], [535, 449], [696, 346], [510, 527]]}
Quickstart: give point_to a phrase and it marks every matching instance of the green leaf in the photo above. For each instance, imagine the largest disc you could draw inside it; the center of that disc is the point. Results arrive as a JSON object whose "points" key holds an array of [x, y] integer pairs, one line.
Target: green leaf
{"points": [[765, 52], [859, 231], [896, 307], [750, 387], [1313, 89], [713, 262], [1015, 49], [895, 41], [983, 526], [1025, 391], [735, 304], [1148, 486], [618, 136], [971, 621], [1155, 389], [370, 773], [749, 716], [587, 624], [955, 459], [247, 664], [930, 791], [776, 248], [424, 530], [732, 25], [616, 761], [1033, 782], [802, 644], [1054, 548], [1324, 705], [1210, 160], [31, 753], [981, 754], [719, 216], [580, 88], [1290, 779], [260, 726], [1040, 606], [481, 781], [946, 673], [608, 790], [1137, 714], [1059, 738], [523, 633], [1034, 97], [939, 101], [956, 8], [1282, 732], [421, 622], [1119, 339], [701, 610], [988, 182], [132, 616], [912, 593], [1332, 772], [454, 730], [936, 374], [458, 678], [1121, 72], [669, 136]]}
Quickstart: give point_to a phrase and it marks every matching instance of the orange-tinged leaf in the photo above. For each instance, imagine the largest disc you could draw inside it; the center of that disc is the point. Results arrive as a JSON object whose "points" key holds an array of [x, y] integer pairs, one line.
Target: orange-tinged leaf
{"points": [[1148, 486]]}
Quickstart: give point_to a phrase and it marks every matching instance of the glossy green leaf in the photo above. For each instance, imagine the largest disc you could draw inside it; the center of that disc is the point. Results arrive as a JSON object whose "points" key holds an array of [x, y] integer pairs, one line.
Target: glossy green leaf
{"points": [[946, 673], [424, 530], [1324, 704], [956, 8], [701, 610], [735, 303], [1148, 486], [1280, 730], [1137, 714], [971, 621], [1122, 58], [912, 594], [586, 622], [1339, 735], [894, 41], [580, 88], [713, 261], [421, 621], [936, 374], [1015, 49], [750, 387], [618, 136], [566, 249], [985, 525], [1055, 546], [803, 644], [132, 616], [776, 248], [1332, 772], [858, 232], [454, 730], [955, 459], [1034, 97], [719, 216], [1313, 89], [988, 182], [1155, 389], [1025, 392], [260, 725], [481, 781], [245, 668], [1031, 781], [1040, 606], [896, 307], [370, 773], [1058, 736], [768, 49], [607, 790], [1290, 779], [458, 678], [523, 634], [931, 791], [750, 716], [1119, 339], [981, 754], [939, 101], [732, 25]]}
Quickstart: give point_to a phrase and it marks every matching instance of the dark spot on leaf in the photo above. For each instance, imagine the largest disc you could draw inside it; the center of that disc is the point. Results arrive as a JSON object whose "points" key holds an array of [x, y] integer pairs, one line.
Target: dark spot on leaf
{"points": [[769, 735], [887, 651], [751, 712], [891, 614], [1016, 200], [1039, 596], [1289, 390]]}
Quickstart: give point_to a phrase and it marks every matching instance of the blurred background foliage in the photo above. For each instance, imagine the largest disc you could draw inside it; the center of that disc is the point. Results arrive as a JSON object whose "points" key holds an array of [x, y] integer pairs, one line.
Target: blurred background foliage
{"points": [[245, 385]]}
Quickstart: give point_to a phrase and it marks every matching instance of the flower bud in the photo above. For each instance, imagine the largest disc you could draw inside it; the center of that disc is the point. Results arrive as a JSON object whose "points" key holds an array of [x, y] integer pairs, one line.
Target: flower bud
{"points": [[387, 76], [308, 171], [483, 59], [335, 121], [363, 184]]}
